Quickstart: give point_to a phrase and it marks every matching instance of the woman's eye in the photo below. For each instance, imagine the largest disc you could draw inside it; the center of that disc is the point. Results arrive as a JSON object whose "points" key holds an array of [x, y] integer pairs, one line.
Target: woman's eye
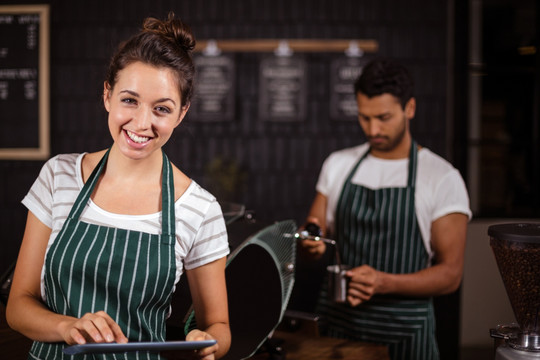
{"points": [[163, 109], [129, 101]]}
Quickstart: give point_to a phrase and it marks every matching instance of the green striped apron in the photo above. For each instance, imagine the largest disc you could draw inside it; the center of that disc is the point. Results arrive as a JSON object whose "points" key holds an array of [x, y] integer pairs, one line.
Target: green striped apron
{"points": [[379, 228], [128, 274]]}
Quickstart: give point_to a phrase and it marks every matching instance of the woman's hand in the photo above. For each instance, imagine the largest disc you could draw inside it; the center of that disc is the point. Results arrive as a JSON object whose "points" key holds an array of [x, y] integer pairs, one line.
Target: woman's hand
{"points": [[96, 327], [206, 353]]}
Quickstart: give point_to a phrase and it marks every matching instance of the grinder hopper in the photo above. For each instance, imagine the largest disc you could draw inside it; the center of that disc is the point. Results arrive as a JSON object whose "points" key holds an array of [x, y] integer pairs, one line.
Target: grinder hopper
{"points": [[517, 252]]}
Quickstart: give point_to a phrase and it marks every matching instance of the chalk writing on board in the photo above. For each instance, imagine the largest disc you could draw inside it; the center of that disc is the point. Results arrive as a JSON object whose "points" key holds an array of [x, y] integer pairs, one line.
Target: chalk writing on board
{"points": [[344, 72], [23, 101], [282, 89], [214, 90]]}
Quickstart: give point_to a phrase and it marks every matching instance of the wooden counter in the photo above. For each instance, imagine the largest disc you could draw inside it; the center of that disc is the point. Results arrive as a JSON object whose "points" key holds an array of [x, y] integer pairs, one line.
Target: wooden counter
{"points": [[298, 346]]}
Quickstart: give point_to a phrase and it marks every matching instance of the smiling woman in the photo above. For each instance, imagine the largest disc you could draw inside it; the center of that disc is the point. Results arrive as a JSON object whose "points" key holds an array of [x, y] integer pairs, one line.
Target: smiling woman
{"points": [[144, 108], [106, 239]]}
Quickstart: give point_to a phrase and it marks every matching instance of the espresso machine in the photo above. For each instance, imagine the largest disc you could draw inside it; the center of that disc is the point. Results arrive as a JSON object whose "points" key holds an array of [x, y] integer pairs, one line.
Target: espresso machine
{"points": [[516, 247]]}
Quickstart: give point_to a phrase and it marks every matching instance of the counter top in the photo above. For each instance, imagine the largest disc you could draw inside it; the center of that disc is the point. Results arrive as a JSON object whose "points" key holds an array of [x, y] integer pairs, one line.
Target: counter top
{"points": [[298, 346]]}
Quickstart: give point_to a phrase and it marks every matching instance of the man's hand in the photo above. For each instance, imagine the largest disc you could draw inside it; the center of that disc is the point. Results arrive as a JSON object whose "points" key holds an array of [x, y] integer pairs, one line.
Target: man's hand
{"points": [[314, 248], [364, 282]]}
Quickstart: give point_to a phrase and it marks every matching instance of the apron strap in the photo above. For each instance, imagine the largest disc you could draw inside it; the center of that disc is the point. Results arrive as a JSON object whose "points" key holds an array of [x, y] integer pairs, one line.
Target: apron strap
{"points": [[168, 217], [353, 171], [168, 224], [413, 160], [88, 188]]}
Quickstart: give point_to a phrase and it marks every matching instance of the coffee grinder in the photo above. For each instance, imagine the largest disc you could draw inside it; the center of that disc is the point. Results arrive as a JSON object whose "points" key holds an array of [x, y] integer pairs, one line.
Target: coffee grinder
{"points": [[516, 247]]}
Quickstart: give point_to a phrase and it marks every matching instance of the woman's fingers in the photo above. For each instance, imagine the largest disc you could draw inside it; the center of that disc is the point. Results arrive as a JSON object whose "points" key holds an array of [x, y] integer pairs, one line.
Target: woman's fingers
{"points": [[95, 328], [74, 336], [206, 353], [114, 333]]}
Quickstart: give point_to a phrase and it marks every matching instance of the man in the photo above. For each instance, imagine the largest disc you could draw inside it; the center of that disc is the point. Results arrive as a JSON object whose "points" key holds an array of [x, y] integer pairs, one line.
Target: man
{"points": [[399, 215]]}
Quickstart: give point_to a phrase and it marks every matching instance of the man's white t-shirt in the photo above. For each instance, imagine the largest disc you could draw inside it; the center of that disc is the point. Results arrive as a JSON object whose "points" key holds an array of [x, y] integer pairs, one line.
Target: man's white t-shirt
{"points": [[440, 189]]}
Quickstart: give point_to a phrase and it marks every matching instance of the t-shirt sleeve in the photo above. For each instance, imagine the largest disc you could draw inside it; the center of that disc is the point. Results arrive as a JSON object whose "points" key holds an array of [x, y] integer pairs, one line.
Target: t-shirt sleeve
{"points": [[39, 198], [211, 242], [333, 172], [451, 196], [323, 182]]}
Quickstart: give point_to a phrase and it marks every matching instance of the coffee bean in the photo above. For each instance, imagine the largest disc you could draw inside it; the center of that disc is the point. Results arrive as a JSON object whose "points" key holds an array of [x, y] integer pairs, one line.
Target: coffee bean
{"points": [[519, 265]]}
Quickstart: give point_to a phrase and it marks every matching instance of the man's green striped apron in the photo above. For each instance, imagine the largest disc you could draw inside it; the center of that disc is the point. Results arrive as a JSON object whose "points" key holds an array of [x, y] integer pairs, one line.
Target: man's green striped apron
{"points": [[128, 274], [379, 228]]}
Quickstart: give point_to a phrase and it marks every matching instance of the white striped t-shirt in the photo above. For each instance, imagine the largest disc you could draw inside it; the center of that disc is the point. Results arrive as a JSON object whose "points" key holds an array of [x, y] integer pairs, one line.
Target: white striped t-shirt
{"points": [[201, 235]]}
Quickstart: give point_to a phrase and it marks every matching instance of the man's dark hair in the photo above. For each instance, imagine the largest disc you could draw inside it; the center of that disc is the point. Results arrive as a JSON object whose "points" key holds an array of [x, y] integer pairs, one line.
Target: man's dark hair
{"points": [[385, 76]]}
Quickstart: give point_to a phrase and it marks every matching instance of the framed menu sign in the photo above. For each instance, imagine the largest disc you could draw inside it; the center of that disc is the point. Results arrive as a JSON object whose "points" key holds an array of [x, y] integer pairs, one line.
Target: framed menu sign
{"points": [[214, 90], [282, 88], [343, 73], [24, 82]]}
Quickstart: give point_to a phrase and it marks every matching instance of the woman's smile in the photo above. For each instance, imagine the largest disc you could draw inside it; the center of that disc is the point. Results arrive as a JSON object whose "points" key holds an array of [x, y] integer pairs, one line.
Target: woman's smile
{"points": [[136, 138]]}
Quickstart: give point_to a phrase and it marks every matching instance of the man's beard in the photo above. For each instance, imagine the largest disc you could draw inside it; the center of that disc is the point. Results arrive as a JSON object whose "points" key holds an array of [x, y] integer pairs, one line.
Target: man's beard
{"points": [[391, 143]]}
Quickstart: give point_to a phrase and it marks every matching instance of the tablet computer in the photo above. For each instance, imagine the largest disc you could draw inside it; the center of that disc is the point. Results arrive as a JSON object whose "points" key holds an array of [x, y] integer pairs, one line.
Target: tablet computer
{"points": [[102, 348]]}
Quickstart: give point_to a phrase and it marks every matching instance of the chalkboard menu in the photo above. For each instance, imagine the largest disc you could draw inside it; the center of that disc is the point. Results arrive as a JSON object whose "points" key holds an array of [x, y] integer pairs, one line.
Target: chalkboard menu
{"points": [[24, 76], [214, 89], [343, 73], [282, 88]]}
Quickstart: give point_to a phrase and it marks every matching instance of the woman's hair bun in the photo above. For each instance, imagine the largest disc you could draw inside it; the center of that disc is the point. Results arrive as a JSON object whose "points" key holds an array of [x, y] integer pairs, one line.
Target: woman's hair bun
{"points": [[172, 28]]}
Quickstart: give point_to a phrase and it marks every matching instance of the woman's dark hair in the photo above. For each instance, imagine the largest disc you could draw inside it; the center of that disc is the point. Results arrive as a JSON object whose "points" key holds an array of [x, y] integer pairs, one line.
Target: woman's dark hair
{"points": [[385, 76], [160, 43]]}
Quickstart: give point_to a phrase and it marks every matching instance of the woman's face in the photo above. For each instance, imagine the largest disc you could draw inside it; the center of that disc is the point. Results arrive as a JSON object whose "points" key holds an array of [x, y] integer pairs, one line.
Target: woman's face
{"points": [[144, 108]]}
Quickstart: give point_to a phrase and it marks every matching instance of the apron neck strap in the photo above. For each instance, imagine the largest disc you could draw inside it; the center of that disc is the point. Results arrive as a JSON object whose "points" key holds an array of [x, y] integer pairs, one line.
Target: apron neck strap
{"points": [[413, 160], [353, 171], [168, 217], [167, 194], [88, 188]]}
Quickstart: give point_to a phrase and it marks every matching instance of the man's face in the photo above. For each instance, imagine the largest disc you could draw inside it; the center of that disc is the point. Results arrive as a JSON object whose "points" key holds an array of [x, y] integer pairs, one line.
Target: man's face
{"points": [[384, 122]]}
